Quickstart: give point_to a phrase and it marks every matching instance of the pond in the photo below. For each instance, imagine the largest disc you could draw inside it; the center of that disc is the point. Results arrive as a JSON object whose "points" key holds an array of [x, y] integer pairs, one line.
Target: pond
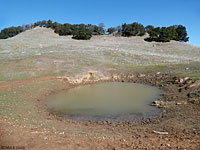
{"points": [[105, 101]]}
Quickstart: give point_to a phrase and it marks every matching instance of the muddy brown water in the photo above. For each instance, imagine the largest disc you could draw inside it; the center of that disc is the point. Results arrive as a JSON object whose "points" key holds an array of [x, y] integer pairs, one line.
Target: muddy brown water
{"points": [[112, 101]]}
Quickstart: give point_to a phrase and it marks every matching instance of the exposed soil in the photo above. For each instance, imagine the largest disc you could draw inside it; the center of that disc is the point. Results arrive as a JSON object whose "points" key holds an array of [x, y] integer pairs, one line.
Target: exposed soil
{"points": [[38, 62], [177, 127]]}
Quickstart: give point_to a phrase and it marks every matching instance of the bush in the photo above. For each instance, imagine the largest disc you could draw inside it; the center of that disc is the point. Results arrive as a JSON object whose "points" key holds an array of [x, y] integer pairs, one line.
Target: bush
{"points": [[111, 30], [182, 33], [149, 28], [134, 29], [165, 34], [82, 34], [10, 32], [65, 29]]}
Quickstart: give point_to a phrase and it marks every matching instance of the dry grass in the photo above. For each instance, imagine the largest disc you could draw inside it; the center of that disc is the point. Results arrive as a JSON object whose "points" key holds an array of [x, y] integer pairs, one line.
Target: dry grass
{"points": [[40, 51]]}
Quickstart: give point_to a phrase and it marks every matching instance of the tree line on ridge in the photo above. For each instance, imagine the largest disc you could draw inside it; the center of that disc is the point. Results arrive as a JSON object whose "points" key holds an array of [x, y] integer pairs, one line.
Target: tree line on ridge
{"points": [[86, 31]]}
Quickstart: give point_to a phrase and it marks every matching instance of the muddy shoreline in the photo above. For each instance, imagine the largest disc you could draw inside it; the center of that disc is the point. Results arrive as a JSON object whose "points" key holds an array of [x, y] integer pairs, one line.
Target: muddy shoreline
{"points": [[168, 83]]}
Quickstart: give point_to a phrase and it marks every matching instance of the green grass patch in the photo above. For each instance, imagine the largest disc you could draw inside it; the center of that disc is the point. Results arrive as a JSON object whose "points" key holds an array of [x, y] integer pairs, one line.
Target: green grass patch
{"points": [[18, 103], [193, 75], [147, 69]]}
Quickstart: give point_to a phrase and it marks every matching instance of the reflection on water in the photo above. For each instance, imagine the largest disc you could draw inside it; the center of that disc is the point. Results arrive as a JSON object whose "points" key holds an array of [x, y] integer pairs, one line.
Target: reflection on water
{"points": [[105, 101]]}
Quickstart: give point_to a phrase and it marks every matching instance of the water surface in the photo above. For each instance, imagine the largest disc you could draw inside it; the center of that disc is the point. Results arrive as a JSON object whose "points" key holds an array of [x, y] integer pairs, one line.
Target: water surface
{"points": [[105, 101]]}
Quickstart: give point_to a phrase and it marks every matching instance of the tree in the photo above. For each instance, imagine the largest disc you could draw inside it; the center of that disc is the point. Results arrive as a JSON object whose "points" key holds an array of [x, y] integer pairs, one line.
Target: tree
{"points": [[10, 32], [153, 35], [134, 29], [182, 33], [54, 25], [26, 27], [82, 34], [119, 31], [126, 30], [164, 35], [49, 24], [172, 33], [85, 31], [149, 28], [65, 29], [42, 23], [137, 29], [101, 29], [141, 29], [111, 30], [93, 29], [3, 34]]}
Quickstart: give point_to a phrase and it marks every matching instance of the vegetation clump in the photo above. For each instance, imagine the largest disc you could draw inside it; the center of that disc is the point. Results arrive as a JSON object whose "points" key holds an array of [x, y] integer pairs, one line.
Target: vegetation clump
{"points": [[165, 34], [82, 33], [134, 29], [85, 31], [111, 30], [10, 32]]}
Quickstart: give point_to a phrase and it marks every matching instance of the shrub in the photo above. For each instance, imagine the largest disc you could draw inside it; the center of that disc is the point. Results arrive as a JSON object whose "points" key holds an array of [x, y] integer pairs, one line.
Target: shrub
{"points": [[82, 34], [134, 29], [111, 30]]}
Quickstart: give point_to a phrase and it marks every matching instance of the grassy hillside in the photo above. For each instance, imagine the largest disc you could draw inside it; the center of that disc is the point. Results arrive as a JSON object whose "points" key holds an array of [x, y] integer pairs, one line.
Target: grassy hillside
{"points": [[40, 51]]}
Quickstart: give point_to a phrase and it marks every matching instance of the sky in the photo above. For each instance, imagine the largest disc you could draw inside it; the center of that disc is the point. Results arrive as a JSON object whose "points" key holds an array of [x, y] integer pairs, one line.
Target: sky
{"points": [[111, 12]]}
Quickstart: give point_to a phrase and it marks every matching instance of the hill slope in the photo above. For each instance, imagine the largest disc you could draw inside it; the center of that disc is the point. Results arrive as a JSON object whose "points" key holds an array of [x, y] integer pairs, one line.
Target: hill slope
{"points": [[42, 49]]}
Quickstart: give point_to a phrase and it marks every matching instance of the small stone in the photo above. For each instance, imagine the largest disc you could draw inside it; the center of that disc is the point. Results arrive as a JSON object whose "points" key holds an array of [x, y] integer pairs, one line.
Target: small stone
{"points": [[196, 84], [194, 101], [178, 103], [168, 145], [186, 78], [159, 104], [142, 75], [181, 80]]}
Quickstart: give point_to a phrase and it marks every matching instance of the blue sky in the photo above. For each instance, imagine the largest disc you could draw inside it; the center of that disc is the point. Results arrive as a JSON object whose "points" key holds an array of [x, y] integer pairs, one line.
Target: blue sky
{"points": [[110, 12]]}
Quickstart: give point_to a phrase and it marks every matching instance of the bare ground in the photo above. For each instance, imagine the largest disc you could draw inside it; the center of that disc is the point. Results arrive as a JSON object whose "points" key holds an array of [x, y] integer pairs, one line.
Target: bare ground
{"points": [[179, 119], [38, 63]]}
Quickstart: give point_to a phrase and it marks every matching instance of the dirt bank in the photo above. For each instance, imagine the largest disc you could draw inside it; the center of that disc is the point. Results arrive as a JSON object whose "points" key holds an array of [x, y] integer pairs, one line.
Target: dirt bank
{"points": [[177, 127]]}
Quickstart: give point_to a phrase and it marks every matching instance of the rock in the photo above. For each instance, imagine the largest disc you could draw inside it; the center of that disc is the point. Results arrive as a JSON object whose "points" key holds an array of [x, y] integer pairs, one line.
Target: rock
{"points": [[142, 75], [158, 73], [186, 78], [171, 81], [163, 133], [195, 84], [181, 80], [115, 77], [176, 81], [191, 94], [186, 68], [194, 101], [168, 145], [178, 103], [159, 104]]}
